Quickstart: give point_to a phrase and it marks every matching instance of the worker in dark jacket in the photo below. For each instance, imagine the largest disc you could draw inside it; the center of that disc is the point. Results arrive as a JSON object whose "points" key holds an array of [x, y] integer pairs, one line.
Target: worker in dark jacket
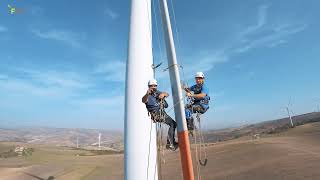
{"points": [[154, 99]]}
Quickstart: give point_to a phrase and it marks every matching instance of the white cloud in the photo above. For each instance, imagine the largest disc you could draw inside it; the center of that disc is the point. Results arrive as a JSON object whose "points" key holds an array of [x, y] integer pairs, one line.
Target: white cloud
{"points": [[68, 37], [56, 79], [112, 70], [262, 19], [44, 83], [103, 102], [13, 85], [276, 37], [277, 43], [112, 14], [261, 34], [206, 62], [60, 83], [3, 28], [242, 49]]}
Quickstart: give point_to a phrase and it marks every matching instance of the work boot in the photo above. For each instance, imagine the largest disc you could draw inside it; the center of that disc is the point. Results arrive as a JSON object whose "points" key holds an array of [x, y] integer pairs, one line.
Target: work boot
{"points": [[173, 146]]}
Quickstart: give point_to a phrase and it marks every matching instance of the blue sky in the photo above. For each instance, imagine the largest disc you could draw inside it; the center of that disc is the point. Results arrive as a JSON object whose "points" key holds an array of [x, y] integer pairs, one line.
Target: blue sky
{"points": [[62, 63]]}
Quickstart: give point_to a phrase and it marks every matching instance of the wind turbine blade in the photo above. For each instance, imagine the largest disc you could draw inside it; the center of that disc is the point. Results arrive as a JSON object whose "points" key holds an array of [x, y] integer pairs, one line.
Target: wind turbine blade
{"points": [[291, 112], [289, 104]]}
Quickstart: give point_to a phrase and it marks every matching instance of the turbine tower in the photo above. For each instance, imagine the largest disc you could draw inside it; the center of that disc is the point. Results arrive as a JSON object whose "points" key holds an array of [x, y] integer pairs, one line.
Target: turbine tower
{"points": [[288, 111], [99, 139], [77, 142], [140, 146], [317, 101]]}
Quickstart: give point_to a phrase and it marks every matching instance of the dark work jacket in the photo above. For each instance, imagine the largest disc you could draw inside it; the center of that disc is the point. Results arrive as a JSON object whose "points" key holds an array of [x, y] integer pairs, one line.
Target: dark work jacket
{"points": [[153, 103]]}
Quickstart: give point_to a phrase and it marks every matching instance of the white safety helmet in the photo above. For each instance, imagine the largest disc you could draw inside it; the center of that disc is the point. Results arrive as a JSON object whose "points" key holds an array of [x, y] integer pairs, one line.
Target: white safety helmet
{"points": [[152, 82], [199, 74]]}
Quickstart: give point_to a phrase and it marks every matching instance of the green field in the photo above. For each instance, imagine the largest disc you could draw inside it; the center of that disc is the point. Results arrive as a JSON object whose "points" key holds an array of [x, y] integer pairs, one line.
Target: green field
{"points": [[62, 163]]}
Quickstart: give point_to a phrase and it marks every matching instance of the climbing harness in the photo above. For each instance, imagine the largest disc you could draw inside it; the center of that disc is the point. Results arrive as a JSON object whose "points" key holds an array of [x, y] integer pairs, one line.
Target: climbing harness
{"points": [[197, 134], [158, 118]]}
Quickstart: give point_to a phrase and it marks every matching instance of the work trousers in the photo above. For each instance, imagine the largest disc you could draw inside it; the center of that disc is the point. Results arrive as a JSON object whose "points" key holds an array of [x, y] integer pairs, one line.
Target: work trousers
{"points": [[155, 116]]}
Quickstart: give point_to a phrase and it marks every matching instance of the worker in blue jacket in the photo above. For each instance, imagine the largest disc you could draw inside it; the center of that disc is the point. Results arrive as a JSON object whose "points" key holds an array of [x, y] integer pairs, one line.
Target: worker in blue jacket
{"points": [[199, 95]]}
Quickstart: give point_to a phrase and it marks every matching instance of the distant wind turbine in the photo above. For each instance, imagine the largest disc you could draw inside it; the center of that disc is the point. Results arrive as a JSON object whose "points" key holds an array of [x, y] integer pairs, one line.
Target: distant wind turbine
{"points": [[288, 111], [317, 100], [77, 142]]}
